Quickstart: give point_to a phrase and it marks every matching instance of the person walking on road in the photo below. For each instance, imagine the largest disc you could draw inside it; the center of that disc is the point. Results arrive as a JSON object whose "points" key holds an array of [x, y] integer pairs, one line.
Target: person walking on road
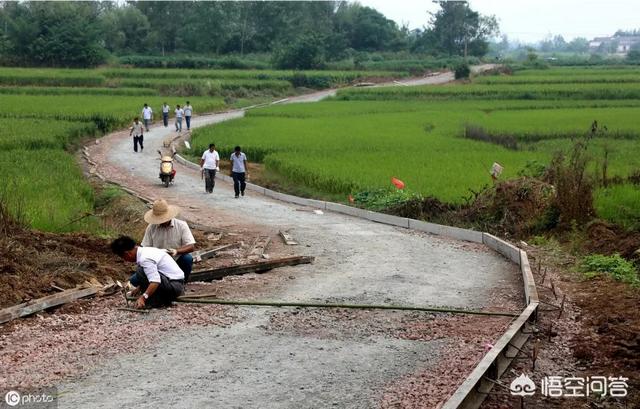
{"points": [[239, 171], [160, 280], [188, 111], [137, 131], [209, 166], [147, 116], [179, 114], [165, 114]]}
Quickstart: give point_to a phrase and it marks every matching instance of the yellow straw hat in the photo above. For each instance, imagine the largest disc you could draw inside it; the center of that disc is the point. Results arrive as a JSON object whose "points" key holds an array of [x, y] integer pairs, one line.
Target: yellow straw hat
{"points": [[161, 212]]}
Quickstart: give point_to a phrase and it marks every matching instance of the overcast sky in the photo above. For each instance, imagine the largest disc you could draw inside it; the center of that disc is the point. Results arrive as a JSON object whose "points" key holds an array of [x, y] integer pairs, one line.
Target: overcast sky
{"points": [[527, 20]]}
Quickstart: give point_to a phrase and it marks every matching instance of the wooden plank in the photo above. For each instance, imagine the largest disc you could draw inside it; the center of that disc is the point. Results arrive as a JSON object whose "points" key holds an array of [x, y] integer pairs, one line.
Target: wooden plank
{"points": [[33, 306], [259, 246], [475, 388], [258, 267], [288, 239], [210, 253]]}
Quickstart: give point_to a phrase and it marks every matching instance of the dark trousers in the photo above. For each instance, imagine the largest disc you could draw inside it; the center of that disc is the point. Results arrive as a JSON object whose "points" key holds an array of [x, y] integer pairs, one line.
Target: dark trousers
{"points": [[137, 140], [165, 119], [185, 262], [188, 119], [238, 182], [165, 294], [209, 179], [146, 124]]}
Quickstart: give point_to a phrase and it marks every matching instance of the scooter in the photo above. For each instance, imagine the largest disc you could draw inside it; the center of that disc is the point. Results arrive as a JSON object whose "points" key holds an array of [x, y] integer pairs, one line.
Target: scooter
{"points": [[167, 172]]}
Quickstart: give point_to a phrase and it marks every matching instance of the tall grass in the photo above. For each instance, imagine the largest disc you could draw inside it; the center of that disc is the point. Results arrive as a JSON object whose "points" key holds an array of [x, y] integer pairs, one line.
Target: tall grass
{"points": [[47, 186]]}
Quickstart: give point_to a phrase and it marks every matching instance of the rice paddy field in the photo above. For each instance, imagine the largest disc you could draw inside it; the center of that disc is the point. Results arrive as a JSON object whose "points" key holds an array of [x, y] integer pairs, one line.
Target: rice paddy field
{"points": [[364, 136], [44, 113]]}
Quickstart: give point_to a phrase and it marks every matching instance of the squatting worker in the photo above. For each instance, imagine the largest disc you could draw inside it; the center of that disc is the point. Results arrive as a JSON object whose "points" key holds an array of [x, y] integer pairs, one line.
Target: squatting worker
{"points": [[147, 116], [137, 131], [160, 280], [166, 232], [209, 166], [239, 171]]}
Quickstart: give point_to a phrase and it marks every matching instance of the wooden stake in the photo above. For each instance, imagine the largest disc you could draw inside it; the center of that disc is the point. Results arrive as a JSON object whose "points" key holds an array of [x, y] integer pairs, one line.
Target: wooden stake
{"points": [[258, 267], [33, 306], [288, 239]]}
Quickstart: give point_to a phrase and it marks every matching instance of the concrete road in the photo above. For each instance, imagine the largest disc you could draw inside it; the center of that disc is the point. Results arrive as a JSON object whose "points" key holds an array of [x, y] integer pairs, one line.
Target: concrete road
{"points": [[248, 366]]}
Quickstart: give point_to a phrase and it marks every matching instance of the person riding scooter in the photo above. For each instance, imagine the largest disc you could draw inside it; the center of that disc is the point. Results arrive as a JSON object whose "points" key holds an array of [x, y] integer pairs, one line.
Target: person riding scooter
{"points": [[167, 172]]}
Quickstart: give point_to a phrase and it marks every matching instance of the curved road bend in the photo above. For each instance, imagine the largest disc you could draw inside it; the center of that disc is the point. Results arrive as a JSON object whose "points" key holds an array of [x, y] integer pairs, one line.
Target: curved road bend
{"points": [[247, 365]]}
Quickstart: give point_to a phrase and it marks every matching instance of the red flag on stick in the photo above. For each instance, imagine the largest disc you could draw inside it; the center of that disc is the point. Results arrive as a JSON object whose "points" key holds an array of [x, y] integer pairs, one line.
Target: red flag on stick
{"points": [[397, 183]]}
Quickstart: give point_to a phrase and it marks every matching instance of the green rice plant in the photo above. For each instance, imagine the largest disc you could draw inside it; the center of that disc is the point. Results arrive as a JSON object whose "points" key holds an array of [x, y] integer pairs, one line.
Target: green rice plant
{"points": [[78, 91], [47, 186], [619, 204], [106, 111], [50, 77], [329, 78], [498, 91], [191, 87], [41, 133]]}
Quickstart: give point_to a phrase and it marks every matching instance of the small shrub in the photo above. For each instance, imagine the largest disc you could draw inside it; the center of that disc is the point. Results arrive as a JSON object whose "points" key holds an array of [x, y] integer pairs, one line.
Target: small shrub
{"points": [[615, 266], [462, 71], [533, 169], [574, 188]]}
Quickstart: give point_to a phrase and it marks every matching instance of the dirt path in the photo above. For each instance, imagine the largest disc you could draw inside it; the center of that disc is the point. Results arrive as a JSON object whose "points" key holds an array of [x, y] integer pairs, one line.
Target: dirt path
{"points": [[305, 358]]}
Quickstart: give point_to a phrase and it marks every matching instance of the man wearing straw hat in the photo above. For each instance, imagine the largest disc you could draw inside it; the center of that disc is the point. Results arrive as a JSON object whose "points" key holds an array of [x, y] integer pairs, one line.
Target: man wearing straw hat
{"points": [[166, 232]]}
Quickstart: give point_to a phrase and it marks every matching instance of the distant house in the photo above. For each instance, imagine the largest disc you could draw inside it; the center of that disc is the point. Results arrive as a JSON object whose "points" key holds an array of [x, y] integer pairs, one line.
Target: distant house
{"points": [[599, 43], [616, 44], [625, 43]]}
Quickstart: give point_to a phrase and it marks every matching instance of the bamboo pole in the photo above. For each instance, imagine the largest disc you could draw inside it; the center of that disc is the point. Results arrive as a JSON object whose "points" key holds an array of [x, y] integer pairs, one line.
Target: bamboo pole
{"points": [[203, 300]]}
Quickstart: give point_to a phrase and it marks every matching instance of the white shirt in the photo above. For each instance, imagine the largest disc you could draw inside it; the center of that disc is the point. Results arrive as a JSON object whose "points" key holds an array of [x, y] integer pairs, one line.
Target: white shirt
{"points": [[179, 112], [177, 234], [137, 129], [187, 110], [211, 159], [146, 113], [238, 162], [155, 261], [165, 109]]}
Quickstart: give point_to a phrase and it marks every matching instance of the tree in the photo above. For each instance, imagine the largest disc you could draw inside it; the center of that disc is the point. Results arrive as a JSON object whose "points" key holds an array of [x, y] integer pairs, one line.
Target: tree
{"points": [[125, 30], [457, 30], [578, 45], [54, 33], [368, 30], [303, 54]]}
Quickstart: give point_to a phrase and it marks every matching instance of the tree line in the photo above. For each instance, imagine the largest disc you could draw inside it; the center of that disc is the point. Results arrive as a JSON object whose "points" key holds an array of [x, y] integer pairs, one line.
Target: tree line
{"points": [[298, 34]]}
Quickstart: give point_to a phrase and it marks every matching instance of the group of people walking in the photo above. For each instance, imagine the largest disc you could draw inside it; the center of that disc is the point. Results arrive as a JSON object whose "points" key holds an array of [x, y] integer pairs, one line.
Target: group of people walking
{"points": [[181, 112], [210, 161], [209, 165], [139, 128]]}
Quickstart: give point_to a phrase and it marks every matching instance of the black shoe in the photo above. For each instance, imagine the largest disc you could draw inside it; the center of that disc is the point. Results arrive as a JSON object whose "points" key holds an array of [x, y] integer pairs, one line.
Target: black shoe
{"points": [[235, 197], [242, 193]]}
